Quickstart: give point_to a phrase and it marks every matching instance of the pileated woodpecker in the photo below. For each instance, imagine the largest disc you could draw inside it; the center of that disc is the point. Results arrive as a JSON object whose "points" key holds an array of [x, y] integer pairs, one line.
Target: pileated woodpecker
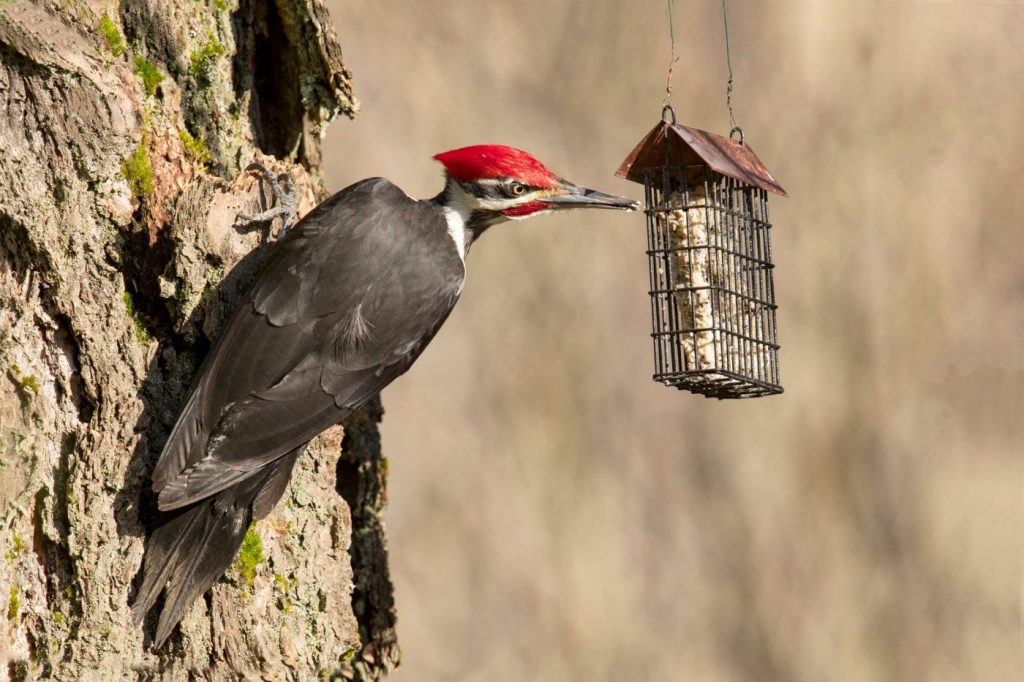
{"points": [[347, 300]]}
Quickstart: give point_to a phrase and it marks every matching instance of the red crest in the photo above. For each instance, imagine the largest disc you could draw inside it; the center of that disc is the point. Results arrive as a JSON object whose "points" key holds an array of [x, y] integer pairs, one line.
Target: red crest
{"points": [[486, 161]]}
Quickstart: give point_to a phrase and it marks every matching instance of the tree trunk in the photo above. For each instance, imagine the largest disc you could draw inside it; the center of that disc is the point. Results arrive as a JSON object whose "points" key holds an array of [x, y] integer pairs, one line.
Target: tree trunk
{"points": [[123, 134]]}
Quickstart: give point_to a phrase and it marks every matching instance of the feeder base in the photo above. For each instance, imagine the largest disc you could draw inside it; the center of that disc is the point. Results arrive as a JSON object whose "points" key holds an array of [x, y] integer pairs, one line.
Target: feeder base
{"points": [[717, 383]]}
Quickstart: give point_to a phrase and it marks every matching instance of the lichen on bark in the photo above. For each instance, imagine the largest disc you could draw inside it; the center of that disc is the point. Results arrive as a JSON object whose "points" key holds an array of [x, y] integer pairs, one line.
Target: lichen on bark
{"points": [[120, 260]]}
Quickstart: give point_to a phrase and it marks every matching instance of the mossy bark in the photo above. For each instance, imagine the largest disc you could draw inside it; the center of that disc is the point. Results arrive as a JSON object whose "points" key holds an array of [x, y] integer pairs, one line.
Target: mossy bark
{"points": [[123, 134]]}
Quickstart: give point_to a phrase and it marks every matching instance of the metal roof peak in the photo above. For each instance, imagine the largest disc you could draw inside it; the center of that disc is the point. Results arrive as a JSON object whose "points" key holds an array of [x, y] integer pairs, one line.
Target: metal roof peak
{"points": [[691, 145]]}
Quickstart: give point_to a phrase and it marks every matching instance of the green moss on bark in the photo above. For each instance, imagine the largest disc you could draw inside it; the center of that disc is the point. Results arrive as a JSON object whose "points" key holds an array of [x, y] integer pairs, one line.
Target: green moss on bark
{"points": [[109, 30], [13, 604], [203, 59], [250, 556], [148, 74], [137, 171], [196, 148], [140, 330]]}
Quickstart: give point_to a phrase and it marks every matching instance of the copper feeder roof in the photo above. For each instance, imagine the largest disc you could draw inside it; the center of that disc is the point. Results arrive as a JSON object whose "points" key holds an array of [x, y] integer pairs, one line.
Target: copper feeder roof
{"points": [[694, 146]]}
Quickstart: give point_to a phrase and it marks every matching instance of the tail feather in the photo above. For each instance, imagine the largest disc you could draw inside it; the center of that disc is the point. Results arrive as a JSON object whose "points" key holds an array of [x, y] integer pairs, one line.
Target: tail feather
{"points": [[161, 556], [192, 549], [210, 556]]}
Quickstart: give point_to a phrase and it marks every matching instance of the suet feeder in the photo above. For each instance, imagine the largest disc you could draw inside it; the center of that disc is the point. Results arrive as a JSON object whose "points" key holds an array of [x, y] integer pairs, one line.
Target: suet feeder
{"points": [[709, 246]]}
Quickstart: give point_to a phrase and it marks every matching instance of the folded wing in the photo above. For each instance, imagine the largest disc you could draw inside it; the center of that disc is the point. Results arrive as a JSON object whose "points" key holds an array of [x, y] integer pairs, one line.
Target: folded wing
{"points": [[347, 300]]}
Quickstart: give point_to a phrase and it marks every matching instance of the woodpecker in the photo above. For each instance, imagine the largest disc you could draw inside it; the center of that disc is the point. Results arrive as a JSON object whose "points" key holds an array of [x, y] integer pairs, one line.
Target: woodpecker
{"points": [[348, 299]]}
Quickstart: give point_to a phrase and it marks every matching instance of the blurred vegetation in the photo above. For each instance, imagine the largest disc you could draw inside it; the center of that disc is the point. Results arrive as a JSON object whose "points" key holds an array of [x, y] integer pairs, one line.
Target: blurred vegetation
{"points": [[555, 515]]}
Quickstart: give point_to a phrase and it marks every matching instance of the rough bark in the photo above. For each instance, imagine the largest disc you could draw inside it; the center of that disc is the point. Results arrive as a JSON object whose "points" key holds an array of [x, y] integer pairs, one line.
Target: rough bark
{"points": [[123, 134]]}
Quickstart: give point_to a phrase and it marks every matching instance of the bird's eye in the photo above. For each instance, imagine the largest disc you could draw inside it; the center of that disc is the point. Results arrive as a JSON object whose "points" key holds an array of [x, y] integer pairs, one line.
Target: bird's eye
{"points": [[518, 189]]}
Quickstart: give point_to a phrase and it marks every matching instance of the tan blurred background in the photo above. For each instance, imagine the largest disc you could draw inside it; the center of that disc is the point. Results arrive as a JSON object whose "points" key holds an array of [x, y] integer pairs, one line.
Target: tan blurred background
{"points": [[555, 515]]}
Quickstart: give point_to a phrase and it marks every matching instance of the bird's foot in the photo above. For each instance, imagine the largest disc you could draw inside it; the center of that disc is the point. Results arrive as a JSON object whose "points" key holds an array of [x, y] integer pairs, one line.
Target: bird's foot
{"points": [[284, 198]]}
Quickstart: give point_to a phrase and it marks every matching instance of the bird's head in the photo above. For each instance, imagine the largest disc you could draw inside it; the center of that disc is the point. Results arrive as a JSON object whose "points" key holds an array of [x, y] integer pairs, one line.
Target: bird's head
{"points": [[495, 183]]}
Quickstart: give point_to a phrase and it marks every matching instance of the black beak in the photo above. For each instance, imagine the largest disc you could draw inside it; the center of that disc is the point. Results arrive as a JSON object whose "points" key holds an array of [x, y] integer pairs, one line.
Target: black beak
{"points": [[568, 195]]}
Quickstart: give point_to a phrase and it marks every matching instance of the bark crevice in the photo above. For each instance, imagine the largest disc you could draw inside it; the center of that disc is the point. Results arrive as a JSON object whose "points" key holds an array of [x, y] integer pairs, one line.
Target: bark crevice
{"points": [[267, 66], [362, 481]]}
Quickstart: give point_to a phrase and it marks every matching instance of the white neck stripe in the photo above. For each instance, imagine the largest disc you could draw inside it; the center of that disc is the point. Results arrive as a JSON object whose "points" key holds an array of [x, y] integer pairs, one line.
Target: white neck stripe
{"points": [[456, 220], [457, 214]]}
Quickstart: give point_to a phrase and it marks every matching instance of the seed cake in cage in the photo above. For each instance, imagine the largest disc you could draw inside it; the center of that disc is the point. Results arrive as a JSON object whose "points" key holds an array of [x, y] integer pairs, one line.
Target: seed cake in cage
{"points": [[712, 290]]}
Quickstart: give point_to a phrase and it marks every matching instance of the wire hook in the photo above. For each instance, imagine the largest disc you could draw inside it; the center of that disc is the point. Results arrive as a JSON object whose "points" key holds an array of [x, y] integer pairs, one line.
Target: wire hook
{"points": [[739, 130], [668, 108]]}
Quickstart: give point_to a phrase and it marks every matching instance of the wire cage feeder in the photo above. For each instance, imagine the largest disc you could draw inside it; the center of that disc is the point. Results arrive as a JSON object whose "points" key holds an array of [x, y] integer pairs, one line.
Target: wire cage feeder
{"points": [[709, 247]]}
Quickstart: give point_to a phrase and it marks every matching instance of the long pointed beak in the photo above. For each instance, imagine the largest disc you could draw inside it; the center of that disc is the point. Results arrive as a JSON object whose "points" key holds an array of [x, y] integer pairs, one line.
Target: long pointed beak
{"points": [[568, 195]]}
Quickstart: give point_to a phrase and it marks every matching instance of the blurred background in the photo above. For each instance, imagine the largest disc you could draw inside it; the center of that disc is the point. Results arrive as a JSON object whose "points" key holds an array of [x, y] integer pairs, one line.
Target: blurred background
{"points": [[556, 515]]}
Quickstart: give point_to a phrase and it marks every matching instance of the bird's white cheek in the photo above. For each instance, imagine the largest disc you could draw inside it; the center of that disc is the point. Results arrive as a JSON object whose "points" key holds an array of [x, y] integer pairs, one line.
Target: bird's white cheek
{"points": [[482, 204]]}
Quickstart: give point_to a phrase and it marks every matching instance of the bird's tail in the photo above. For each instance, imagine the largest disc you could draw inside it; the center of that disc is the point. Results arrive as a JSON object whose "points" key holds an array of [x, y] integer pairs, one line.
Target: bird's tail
{"points": [[194, 546]]}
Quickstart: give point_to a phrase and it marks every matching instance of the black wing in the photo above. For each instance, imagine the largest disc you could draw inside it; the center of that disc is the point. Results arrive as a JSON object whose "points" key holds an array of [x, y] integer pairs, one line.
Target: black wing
{"points": [[347, 300]]}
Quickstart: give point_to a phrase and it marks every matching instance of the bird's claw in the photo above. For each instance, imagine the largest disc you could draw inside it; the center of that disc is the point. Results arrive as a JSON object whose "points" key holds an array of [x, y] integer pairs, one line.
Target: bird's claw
{"points": [[284, 198]]}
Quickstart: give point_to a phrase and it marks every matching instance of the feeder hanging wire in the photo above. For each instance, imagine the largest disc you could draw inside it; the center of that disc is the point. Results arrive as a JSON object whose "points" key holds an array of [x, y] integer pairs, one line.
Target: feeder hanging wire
{"points": [[667, 104], [728, 85]]}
